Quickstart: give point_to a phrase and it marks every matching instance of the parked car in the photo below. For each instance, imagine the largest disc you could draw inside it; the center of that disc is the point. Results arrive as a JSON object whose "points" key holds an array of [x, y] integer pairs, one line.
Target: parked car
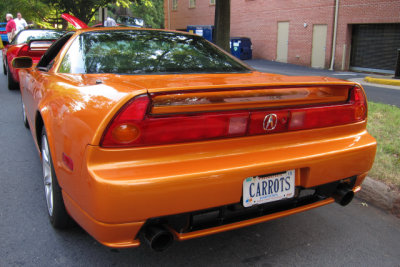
{"points": [[29, 43], [158, 135], [3, 32]]}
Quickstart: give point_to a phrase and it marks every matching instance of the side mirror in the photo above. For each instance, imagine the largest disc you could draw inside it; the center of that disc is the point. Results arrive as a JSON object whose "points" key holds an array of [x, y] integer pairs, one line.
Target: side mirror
{"points": [[22, 62]]}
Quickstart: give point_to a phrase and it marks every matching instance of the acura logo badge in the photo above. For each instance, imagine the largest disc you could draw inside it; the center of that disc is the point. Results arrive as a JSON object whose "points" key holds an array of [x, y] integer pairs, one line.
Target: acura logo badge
{"points": [[270, 122]]}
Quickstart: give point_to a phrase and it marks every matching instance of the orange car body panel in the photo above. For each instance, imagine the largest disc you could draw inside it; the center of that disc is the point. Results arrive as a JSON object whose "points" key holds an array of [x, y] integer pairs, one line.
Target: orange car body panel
{"points": [[112, 192]]}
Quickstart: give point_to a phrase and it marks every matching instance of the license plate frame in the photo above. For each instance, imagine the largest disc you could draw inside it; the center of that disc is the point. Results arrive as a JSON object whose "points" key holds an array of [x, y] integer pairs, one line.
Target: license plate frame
{"points": [[268, 188]]}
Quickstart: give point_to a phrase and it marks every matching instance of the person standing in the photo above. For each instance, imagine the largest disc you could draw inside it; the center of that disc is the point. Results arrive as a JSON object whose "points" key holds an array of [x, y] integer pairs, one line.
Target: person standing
{"points": [[20, 23], [10, 27]]}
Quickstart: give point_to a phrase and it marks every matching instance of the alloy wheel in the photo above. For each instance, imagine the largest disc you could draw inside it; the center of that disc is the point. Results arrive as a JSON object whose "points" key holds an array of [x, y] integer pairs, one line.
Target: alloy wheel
{"points": [[47, 174]]}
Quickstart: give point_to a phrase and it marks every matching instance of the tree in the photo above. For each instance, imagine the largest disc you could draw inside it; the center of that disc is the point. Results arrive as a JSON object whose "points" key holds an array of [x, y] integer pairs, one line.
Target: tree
{"points": [[31, 10], [47, 13], [152, 12], [222, 23], [83, 10]]}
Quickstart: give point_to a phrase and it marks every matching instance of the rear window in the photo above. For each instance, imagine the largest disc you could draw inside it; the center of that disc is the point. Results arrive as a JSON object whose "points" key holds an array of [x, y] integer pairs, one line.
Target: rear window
{"points": [[145, 52], [25, 36]]}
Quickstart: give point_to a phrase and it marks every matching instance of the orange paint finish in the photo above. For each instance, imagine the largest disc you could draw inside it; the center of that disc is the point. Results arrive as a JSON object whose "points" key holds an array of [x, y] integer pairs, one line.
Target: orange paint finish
{"points": [[112, 235], [112, 192], [208, 174]]}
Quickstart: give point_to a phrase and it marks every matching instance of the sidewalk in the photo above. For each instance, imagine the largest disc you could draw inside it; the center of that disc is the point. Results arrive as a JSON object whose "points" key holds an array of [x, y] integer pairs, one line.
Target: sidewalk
{"points": [[386, 81], [297, 70], [383, 79], [374, 192]]}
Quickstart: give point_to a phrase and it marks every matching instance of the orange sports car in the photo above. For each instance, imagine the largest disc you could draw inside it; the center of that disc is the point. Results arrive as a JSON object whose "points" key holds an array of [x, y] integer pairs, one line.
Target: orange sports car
{"points": [[159, 135]]}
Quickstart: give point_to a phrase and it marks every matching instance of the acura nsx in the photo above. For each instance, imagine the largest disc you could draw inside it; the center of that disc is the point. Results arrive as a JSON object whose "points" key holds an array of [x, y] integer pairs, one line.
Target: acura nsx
{"points": [[159, 135]]}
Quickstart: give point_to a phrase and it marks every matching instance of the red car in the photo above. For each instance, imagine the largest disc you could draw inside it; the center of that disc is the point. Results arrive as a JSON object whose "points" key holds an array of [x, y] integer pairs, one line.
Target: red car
{"points": [[30, 43]]}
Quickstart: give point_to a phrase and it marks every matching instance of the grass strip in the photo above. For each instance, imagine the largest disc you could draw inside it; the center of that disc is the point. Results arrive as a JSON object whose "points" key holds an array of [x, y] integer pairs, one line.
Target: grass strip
{"points": [[384, 125]]}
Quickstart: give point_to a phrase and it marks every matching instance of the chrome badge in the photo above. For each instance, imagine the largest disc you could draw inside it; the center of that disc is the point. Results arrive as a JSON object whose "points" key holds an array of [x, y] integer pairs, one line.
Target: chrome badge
{"points": [[270, 122]]}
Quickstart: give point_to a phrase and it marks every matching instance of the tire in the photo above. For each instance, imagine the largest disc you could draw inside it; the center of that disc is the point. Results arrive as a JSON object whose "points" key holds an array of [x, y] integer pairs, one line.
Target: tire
{"points": [[26, 123], [4, 69], [12, 84], [58, 216]]}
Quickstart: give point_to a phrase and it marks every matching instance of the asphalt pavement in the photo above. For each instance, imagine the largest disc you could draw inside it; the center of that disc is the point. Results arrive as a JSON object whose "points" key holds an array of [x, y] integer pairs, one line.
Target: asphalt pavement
{"points": [[356, 235]]}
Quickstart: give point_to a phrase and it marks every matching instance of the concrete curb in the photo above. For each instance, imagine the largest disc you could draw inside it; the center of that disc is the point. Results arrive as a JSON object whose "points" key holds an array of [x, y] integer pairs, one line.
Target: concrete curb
{"points": [[382, 81], [380, 195]]}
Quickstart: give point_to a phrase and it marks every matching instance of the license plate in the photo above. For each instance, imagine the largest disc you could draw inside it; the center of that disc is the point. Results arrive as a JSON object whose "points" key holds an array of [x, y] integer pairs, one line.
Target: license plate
{"points": [[269, 188]]}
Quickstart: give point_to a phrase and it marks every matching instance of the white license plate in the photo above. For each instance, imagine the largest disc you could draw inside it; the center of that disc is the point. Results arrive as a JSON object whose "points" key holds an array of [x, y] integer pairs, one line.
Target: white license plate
{"points": [[263, 189]]}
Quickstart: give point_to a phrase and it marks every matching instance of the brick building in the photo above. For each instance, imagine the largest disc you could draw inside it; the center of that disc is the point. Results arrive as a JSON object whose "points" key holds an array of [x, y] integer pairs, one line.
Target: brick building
{"points": [[302, 31]]}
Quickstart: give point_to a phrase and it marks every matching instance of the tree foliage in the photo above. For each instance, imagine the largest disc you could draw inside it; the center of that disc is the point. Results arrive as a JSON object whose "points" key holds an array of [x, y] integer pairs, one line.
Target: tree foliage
{"points": [[82, 9], [152, 12], [46, 13], [32, 10]]}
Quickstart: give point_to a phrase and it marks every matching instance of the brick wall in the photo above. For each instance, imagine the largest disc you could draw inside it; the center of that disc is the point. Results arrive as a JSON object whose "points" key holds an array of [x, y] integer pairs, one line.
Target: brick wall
{"points": [[258, 20], [361, 12]]}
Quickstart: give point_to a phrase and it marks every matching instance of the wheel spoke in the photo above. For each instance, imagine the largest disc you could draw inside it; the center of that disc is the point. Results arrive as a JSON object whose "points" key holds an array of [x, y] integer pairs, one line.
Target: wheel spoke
{"points": [[47, 174], [23, 112]]}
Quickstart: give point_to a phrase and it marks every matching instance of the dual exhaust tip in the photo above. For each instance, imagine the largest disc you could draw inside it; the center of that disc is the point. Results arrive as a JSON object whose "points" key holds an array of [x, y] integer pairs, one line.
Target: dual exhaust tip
{"points": [[343, 195], [160, 238]]}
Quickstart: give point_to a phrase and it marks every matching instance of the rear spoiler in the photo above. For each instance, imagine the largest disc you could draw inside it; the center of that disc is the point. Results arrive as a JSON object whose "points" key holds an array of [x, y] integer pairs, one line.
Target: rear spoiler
{"points": [[40, 45], [219, 99]]}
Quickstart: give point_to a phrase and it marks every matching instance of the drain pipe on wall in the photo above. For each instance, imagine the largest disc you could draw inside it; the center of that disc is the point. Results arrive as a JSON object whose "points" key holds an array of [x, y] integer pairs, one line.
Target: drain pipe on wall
{"points": [[334, 34]]}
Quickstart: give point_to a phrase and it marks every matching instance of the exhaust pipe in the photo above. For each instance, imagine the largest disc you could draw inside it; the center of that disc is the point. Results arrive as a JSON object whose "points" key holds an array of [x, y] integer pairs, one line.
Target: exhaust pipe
{"points": [[343, 195], [158, 238]]}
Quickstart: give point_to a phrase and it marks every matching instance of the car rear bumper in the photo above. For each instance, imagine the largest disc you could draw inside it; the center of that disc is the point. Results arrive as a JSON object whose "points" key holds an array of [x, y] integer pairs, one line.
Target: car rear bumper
{"points": [[126, 235], [121, 190]]}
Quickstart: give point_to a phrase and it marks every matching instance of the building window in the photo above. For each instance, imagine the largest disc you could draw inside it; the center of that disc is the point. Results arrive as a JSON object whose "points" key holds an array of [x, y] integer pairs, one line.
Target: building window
{"points": [[192, 3], [212, 2], [174, 4]]}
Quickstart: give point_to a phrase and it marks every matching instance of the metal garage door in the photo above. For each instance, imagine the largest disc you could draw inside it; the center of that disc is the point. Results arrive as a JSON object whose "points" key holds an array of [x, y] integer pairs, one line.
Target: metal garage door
{"points": [[374, 47]]}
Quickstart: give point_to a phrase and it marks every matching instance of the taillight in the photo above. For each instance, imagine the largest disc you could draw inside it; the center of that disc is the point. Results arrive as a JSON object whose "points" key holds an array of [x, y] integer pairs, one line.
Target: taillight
{"points": [[354, 110], [132, 127], [135, 126], [124, 128], [23, 51]]}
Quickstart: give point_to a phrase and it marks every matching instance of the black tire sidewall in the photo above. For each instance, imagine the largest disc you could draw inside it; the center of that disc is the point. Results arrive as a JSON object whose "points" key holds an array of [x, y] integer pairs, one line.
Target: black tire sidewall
{"points": [[12, 84], [4, 69]]}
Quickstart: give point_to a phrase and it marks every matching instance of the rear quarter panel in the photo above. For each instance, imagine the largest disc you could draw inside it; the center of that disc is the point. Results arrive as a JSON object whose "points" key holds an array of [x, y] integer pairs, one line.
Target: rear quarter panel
{"points": [[72, 115], [11, 53]]}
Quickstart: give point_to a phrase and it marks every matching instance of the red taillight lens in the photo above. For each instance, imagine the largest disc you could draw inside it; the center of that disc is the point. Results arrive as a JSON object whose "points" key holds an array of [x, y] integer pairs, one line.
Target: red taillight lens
{"points": [[134, 126], [131, 127], [178, 129], [124, 128], [24, 51], [317, 117]]}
